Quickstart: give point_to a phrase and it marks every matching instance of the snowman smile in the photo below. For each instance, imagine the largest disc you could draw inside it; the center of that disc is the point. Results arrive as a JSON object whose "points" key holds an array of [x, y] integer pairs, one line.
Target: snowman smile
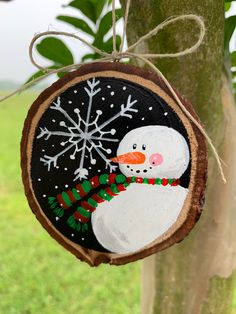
{"points": [[138, 170]]}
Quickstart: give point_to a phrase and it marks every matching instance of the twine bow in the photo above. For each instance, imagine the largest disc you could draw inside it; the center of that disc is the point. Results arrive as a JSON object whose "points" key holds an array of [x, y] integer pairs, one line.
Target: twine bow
{"points": [[116, 56]]}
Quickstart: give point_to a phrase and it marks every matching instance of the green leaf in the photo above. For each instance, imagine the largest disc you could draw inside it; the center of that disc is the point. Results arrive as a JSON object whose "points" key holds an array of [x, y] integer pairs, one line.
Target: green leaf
{"points": [[230, 24], [38, 74], [35, 76], [106, 22], [78, 23], [99, 5], [90, 56], [54, 49], [233, 58], [108, 45], [227, 6], [234, 88], [90, 8]]}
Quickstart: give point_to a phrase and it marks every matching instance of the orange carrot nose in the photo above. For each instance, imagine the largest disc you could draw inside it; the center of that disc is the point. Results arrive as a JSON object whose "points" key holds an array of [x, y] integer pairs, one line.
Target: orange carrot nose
{"points": [[130, 158]]}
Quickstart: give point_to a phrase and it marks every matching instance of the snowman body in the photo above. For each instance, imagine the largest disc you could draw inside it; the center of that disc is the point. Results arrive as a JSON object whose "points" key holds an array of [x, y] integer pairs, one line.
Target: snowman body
{"points": [[137, 216], [143, 212]]}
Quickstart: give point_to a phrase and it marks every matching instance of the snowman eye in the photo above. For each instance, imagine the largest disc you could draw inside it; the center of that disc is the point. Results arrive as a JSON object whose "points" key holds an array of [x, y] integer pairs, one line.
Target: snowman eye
{"points": [[134, 146], [143, 147]]}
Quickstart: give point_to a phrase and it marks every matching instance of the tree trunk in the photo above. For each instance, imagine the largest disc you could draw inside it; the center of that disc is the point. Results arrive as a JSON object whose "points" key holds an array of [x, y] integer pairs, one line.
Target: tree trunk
{"points": [[195, 276]]}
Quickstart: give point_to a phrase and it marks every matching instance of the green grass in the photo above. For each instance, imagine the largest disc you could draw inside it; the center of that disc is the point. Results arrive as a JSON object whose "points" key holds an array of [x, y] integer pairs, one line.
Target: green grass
{"points": [[36, 274]]}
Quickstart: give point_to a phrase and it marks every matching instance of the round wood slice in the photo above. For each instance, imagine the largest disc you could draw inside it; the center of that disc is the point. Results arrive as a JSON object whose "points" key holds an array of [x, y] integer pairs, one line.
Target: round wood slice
{"points": [[112, 168]]}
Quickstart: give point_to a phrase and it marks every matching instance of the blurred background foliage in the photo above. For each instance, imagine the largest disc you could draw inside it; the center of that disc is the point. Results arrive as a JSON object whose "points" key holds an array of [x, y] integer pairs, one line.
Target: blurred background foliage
{"points": [[96, 23]]}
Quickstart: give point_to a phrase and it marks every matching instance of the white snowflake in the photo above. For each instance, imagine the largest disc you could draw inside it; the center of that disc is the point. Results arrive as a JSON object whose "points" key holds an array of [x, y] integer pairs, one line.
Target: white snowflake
{"points": [[85, 135]]}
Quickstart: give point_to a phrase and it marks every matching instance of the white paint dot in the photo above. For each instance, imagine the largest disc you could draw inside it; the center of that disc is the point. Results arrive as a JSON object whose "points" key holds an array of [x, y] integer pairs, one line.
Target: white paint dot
{"points": [[53, 120], [111, 105], [82, 239], [66, 185], [109, 151], [103, 98], [72, 157], [108, 86], [39, 179], [62, 123], [53, 145], [57, 167], [44, 195], [75, 91], [150, 108], [112, 93], [124, 88], [80, 220], [72, 234], [69, 102], [90, 168], [82, 103], [166, 113], [56, 187], [61, 204], [143, 119], [66, 169], [43, 150], [76, 110], [99, 170], [57, 218]]}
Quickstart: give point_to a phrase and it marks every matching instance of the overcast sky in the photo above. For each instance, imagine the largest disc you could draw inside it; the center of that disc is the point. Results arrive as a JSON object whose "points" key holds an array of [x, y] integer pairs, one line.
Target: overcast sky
{"points": [[19, 21]]}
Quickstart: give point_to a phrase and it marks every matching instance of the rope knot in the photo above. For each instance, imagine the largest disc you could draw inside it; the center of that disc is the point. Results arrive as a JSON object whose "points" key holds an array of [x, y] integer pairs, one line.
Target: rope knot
{"points": [[116, 56]]}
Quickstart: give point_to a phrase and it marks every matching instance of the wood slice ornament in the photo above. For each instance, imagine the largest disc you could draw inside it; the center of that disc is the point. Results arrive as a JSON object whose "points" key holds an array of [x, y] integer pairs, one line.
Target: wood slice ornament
{"points": [[112, 167]]}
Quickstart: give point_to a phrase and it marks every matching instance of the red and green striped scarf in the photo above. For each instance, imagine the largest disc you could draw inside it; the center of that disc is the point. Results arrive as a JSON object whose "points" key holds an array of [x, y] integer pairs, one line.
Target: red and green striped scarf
{"points": [[115, 183]]}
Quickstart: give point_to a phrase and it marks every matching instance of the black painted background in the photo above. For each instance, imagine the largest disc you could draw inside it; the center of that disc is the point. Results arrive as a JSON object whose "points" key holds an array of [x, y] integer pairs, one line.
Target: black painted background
{"points": [[50, 183]]}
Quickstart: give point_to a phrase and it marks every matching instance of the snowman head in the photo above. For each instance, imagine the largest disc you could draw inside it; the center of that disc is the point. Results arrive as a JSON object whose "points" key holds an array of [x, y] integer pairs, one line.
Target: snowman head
{"points": [[153, 152]]}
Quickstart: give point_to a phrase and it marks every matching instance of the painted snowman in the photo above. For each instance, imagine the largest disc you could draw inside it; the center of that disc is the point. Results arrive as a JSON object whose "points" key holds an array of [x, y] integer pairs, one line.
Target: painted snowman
{"points": [[143, 212]]}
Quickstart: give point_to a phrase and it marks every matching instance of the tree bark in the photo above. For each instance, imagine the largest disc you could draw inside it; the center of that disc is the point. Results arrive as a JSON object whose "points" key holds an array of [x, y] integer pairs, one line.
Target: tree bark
{"points": [[195, 276]]}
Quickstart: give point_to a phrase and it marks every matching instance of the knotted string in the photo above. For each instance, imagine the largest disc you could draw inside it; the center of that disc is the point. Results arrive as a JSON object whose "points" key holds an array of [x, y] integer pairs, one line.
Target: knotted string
{"points": [[129, 53]]}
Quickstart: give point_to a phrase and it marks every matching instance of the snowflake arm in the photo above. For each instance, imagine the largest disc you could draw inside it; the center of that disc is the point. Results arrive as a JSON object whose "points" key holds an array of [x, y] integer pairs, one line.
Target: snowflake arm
{"points": [[128, 108], [123, 112], [57, 106], [104, 139], [100, 153], [45, 132], [52, 160], [91, 93]]}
